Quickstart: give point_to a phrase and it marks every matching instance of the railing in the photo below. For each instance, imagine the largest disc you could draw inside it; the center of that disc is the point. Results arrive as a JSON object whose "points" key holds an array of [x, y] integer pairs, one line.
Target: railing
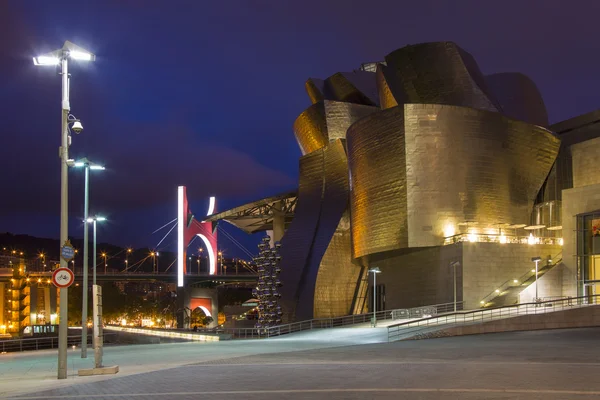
{"points": [[490, 238], [336, 322], [40, 343], [520, 280], [403, 330]]}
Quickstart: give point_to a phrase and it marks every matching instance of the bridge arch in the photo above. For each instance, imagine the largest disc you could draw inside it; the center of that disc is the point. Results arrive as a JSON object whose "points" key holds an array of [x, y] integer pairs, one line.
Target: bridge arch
{"points": [[187, 228]]}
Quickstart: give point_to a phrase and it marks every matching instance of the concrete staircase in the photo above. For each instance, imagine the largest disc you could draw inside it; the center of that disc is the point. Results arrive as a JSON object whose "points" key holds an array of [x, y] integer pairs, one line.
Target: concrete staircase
{"points": [[508, 292]]}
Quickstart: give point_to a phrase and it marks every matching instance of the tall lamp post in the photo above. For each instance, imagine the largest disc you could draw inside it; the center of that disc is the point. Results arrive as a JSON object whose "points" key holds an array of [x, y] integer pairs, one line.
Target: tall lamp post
{"points": [[104, 255], [157, 254], [536, 260], [87, 166], [61, 57], [375, 271], [94, 220], [454, 265], [127, 259]]}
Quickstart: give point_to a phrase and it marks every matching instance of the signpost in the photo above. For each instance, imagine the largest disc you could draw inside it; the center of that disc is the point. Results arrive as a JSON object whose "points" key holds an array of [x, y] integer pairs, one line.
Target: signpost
{"points": [[67, 251], [62, 278]]}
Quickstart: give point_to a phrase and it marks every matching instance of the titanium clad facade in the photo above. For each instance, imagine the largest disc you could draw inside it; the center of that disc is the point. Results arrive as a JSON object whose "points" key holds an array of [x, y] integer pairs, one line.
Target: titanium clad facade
{"points": [[322, 201], [340, 116], [343, 87], [334, 203], [376, 159], [487, 168], [437, 73], [310, 128], [386, 98], [314, 89], [399, 158], [519, 97], [297, 242], [338, 276]]}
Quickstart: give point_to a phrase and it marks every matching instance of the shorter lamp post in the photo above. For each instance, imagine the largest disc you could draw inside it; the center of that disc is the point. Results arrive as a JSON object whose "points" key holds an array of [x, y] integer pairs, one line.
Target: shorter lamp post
{"points": [[536, 260], [375, 271], [454, 264], [93, 221]]}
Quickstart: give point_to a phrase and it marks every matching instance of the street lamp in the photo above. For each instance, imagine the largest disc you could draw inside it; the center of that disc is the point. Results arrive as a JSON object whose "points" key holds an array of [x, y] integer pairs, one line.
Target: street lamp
{"points": [[127, 258], [454, 265], [536, 260], [220, 254], [87, 166], [105, 262], [157, 254], [61, 57], [43, 257], [93, 220], [375, 271]]}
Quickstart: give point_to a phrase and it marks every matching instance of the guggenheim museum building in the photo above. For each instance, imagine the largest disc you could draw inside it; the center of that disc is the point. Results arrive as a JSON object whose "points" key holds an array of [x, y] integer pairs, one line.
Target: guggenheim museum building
{"points": [[422, 166]]}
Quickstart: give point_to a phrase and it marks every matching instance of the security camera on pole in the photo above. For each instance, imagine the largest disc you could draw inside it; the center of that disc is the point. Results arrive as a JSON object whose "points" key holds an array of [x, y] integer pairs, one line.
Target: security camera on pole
{"points": [[61, 58]]}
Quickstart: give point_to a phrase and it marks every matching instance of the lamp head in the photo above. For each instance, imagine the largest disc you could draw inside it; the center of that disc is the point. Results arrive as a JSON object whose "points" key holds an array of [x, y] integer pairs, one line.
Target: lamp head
{"points": [[534, 259], [375, 270]]}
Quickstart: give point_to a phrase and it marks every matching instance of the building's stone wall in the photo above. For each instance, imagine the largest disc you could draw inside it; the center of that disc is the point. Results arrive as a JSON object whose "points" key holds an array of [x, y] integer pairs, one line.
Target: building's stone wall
{"points": [[421, 277], [586, 168], [424, 276], [578, 200], [488, 265], [550, 285]]}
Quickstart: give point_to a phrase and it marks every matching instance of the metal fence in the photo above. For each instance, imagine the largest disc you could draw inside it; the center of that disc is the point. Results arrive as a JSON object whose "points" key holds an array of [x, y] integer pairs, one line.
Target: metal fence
{"points": [[325, 323], [406, 329], [40, 343]]}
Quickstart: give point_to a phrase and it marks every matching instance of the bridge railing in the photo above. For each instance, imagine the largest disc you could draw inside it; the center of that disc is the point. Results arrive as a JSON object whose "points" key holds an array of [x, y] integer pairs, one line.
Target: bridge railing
{"points": [[41, 343], [405, 329]]}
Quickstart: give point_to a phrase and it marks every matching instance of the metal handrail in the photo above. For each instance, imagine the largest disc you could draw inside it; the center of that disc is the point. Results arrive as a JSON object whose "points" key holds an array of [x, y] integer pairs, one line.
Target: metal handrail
{"points": [[523, 278], [494, 238], [40, 343], [335, 322], [397, 331]]}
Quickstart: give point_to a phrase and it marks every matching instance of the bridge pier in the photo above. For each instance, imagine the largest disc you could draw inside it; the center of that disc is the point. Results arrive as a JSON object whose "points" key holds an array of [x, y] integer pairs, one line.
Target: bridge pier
{"points": [[191, 298]]}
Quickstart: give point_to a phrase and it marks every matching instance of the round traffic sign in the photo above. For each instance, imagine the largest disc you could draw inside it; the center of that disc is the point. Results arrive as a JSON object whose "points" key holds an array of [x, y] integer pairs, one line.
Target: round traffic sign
{"points": [[63, 278]]}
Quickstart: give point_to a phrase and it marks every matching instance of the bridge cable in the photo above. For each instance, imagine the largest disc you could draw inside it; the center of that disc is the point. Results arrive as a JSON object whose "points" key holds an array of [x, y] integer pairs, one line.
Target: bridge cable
{"points": [[164, 237]]}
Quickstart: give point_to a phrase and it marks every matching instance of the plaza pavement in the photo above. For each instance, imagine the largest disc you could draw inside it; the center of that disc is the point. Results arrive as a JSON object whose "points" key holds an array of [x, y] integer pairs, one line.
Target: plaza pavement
{"points": [[37, 370], [549, 365]]}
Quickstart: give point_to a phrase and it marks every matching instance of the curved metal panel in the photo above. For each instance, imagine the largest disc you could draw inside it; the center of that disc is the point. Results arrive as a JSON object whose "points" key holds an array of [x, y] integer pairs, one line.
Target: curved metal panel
{"points": [[297, 242], [343, 87], [333, 205], [340, 116], [386, 98], [310, 128], [519, 97], [315, 89], [338, 277], [377, 166], [322, 201], [470, 165], [439, 73]]}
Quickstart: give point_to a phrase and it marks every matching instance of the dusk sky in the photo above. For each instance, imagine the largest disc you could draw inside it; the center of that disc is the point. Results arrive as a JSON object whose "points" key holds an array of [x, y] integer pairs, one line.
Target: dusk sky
{"points": [[204, 93]]}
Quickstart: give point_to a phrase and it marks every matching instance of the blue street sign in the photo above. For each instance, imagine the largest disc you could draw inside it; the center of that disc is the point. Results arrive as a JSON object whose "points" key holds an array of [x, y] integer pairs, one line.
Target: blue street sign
{"points": [[67, 252]]}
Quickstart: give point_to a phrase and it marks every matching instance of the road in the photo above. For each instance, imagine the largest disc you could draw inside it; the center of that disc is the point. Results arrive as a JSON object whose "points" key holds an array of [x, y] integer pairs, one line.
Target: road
{"points": [[554, 364]]}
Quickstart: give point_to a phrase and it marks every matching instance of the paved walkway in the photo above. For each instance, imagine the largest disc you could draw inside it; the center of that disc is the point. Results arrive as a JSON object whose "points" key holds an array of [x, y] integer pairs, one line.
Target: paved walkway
{"points": [[34, 371], [548, 365]]}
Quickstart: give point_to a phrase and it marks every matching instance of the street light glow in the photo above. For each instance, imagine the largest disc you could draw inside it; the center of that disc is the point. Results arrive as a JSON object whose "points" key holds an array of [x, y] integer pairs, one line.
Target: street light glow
{"points": [[46, 60], [80, 55], [97, 167]]}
